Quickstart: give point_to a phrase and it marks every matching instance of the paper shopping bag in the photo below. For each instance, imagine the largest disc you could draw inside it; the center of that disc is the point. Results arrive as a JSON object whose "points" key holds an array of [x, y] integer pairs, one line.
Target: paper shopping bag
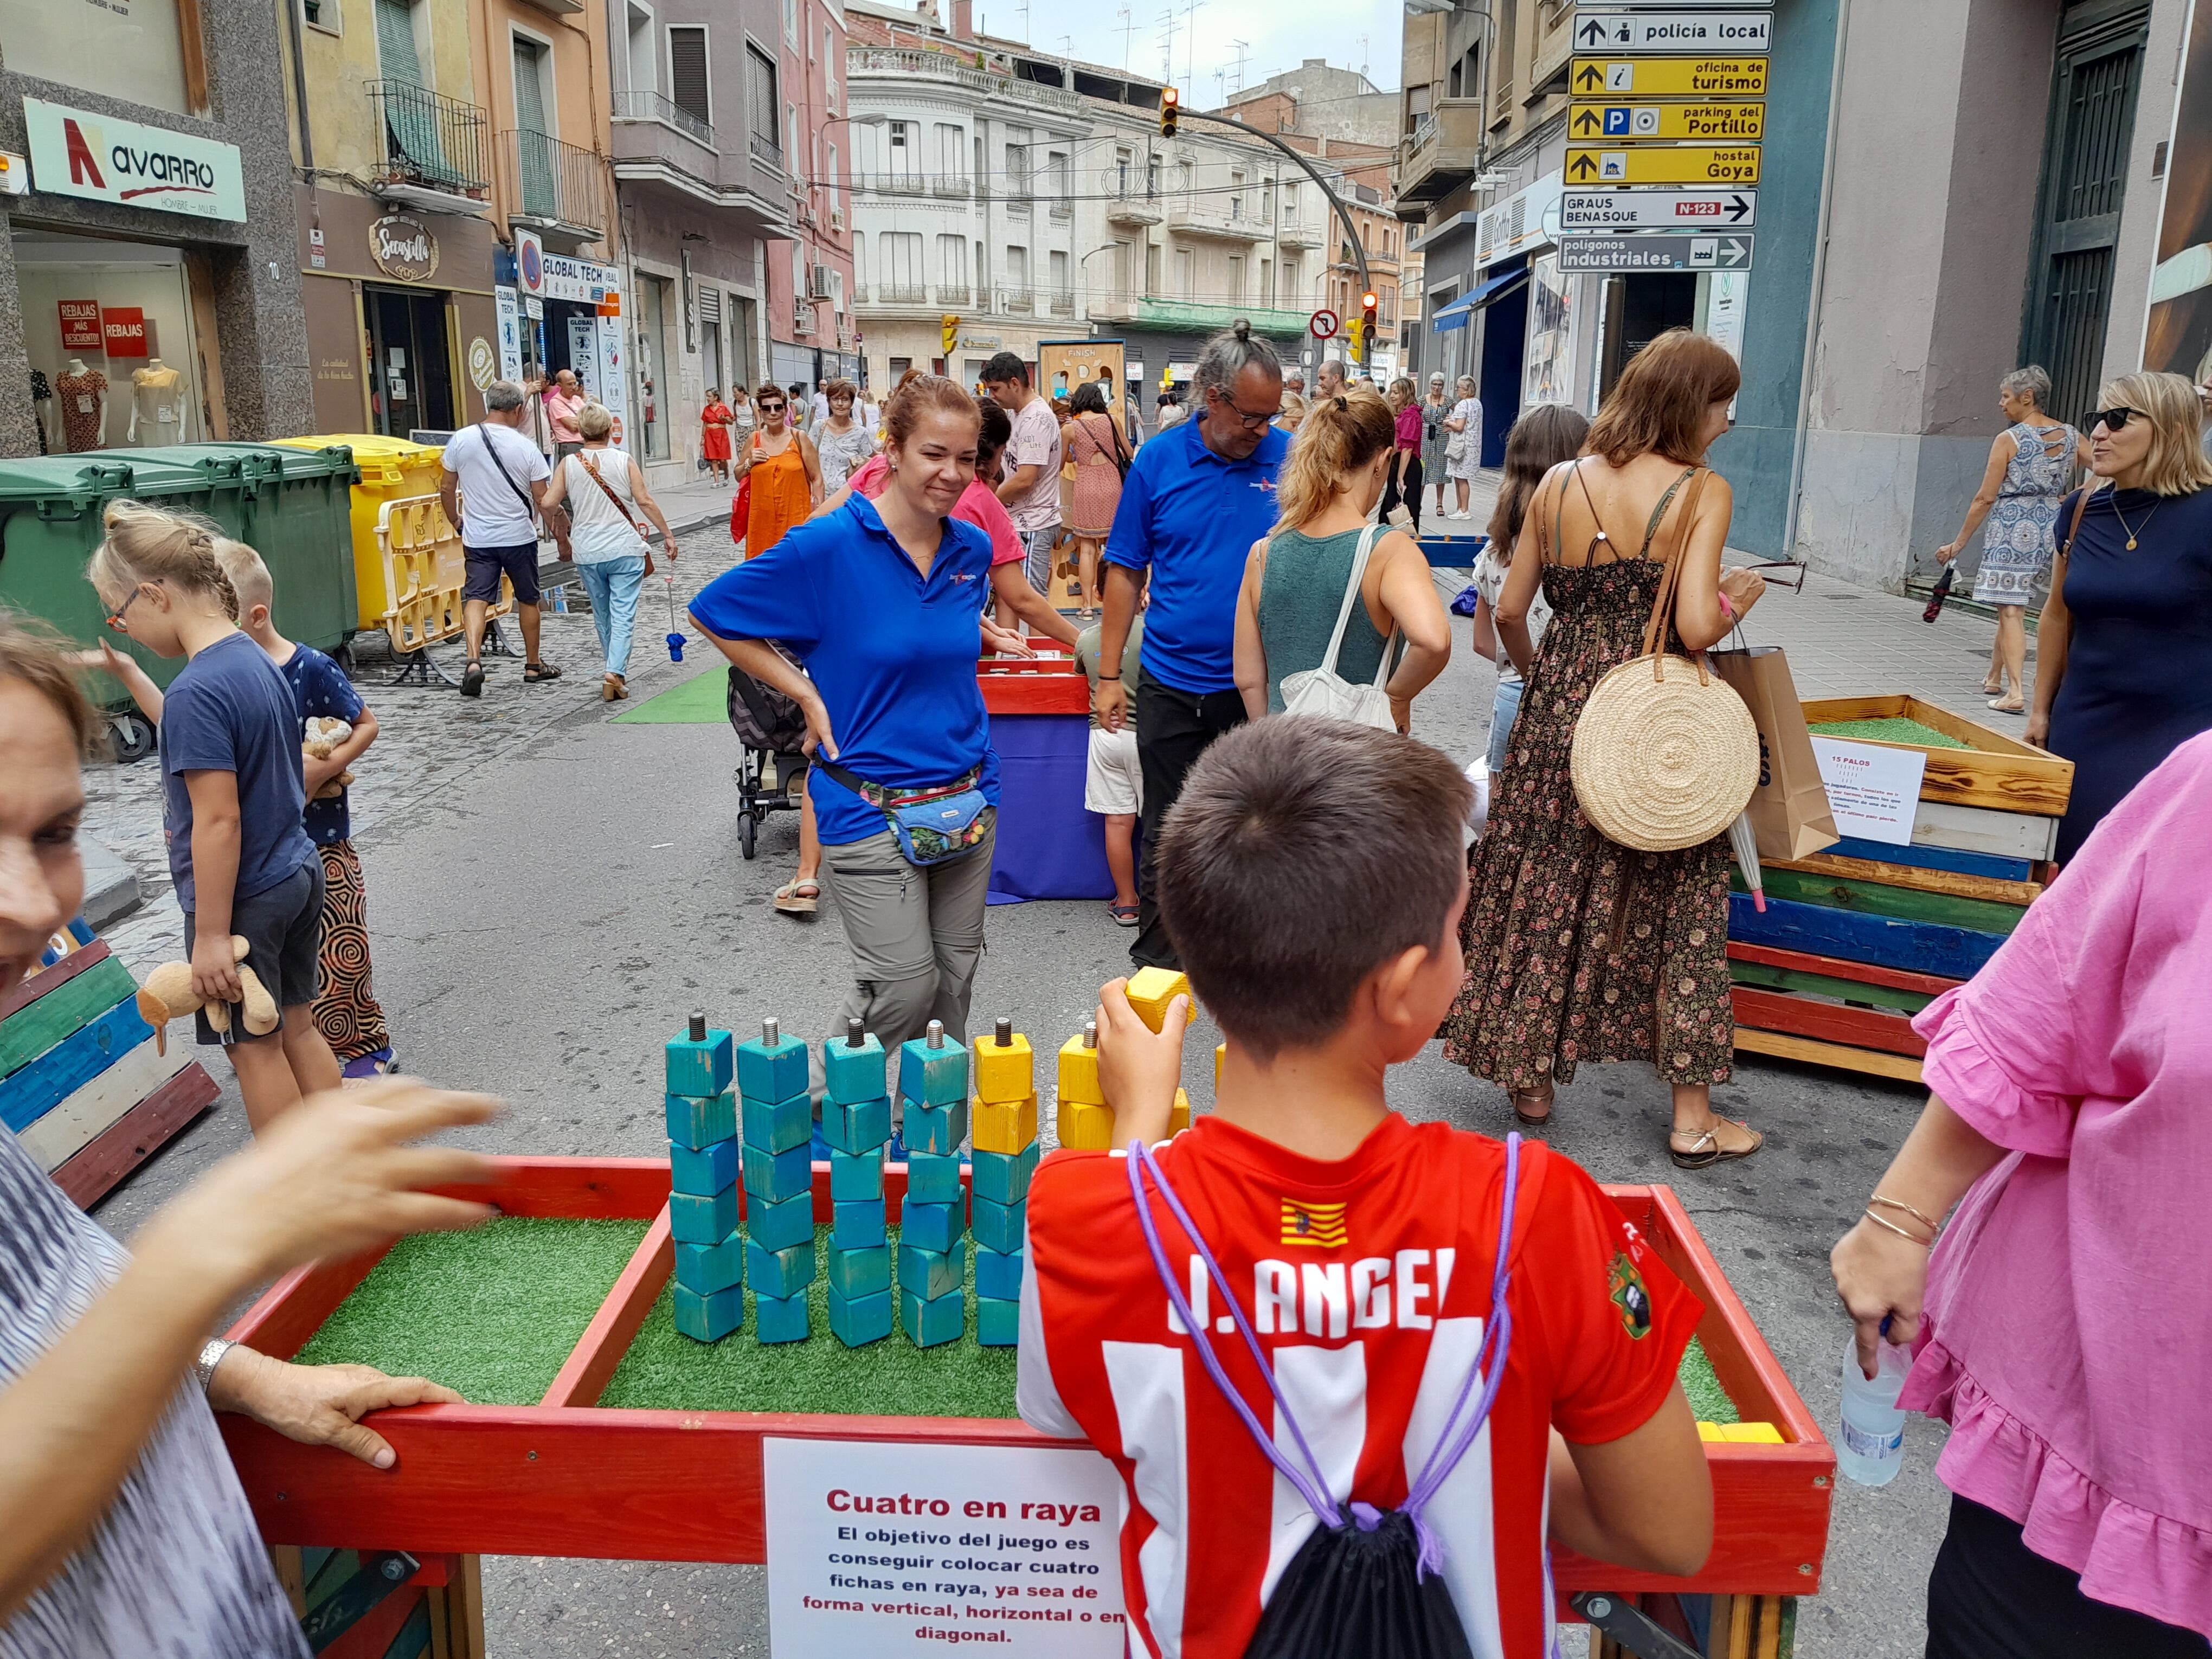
{"points": [[1789, 810]]}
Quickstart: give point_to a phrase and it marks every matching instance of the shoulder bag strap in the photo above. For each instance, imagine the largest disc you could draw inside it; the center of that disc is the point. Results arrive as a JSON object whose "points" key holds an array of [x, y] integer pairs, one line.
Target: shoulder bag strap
{"points": [[606, 489], [491, 450], [2081, 506], [1662, 604], [1351, 596]]}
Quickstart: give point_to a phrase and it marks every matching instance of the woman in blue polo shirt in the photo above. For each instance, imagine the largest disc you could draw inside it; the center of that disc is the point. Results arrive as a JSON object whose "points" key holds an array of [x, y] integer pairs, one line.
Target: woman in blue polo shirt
{"points": [[881, 601]]}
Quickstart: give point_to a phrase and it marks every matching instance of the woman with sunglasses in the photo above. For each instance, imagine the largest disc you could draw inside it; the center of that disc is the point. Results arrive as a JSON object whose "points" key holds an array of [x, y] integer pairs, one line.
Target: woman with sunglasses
{"points": [[2124, 648], [784, 472]]}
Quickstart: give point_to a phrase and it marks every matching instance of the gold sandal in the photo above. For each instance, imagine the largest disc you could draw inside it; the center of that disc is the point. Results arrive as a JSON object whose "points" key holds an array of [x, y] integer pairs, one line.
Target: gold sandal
{"points": [[1706, 1150]]}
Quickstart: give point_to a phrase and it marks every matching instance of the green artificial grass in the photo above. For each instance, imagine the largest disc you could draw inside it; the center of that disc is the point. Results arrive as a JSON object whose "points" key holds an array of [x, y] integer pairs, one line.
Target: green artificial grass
{"points": [[703, 700], [1709, 1401], [666, 1371], [492, 1313], [1889, 731]]}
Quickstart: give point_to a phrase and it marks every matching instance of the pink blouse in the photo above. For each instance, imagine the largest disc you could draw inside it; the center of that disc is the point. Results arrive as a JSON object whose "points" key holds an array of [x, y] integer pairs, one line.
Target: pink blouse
{"points": [[2068, 1339], [978, 504]]}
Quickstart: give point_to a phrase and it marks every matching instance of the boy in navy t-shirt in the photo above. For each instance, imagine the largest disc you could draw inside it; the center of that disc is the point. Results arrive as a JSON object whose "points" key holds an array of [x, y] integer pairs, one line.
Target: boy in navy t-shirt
{"points": [[346, 1010]]}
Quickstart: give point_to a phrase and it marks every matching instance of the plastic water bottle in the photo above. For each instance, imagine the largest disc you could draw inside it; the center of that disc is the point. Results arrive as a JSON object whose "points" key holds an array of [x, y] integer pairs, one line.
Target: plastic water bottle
{"points": [[1870, 1440]]}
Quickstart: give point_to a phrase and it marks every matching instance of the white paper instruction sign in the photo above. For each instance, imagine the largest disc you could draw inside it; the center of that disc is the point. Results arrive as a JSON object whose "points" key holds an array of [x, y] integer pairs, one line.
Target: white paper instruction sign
{"points": [[1874, 792], [885, 1547]]}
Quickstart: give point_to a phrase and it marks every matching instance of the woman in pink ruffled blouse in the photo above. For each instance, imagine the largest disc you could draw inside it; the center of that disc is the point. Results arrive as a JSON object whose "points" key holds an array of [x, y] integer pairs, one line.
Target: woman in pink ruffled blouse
{"points": [[2068, 1328]]}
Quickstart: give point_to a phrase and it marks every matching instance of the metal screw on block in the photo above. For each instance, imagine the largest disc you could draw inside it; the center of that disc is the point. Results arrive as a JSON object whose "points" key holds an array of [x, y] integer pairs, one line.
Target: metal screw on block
{"points": [[855, 1034], [1820, 1480], [532, 1457], [937, 1034], [1598, 1607], [1805, 1567], [1091, 1034], [1006, 1034], [395, 1569], [698, 1028], [769, 1033]]}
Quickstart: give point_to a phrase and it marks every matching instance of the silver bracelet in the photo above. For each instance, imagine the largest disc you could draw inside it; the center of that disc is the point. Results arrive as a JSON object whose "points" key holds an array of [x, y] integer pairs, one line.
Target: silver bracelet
{"points": [[211, 1356]]}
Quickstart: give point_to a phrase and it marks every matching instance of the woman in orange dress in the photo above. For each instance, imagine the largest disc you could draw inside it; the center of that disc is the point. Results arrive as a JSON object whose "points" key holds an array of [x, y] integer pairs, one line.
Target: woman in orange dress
{"points": [[715, 436], [781, 469]]}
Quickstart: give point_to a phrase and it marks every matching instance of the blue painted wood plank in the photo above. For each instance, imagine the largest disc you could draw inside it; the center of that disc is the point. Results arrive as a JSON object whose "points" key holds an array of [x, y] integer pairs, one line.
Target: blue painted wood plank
{"points": [[29, 1094], [1453, 552], [1918, 947], [1933, 858]]}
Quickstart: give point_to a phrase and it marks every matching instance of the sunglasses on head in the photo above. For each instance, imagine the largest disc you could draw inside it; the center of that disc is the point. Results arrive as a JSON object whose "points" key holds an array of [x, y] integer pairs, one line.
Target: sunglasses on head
{"points": [[2113, 420]]}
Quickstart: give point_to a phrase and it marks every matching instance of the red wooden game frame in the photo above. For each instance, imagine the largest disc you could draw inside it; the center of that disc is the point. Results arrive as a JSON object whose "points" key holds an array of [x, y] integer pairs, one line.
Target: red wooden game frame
{"points": [[568, 1477]]}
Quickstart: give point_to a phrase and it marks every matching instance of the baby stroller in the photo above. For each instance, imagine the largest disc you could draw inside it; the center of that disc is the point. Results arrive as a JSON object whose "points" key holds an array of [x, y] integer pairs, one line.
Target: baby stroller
{"points": [[772, 774]]}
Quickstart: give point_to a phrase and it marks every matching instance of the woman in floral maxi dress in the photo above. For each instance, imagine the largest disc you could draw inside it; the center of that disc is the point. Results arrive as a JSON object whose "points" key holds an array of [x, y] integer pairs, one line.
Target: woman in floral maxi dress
{"points": [[1579, 949]]}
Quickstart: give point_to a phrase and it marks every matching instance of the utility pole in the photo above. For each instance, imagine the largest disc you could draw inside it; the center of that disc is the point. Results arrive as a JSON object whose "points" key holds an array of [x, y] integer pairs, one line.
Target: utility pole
{"points": [[1243, 50], [1190, 45], [1128, 32], [1167, 44]]}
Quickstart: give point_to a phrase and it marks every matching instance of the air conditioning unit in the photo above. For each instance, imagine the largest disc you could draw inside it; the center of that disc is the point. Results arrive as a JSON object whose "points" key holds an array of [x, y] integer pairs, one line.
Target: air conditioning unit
{"points": [[837, 218], [805, 213], [802, 319], [817, 281]]}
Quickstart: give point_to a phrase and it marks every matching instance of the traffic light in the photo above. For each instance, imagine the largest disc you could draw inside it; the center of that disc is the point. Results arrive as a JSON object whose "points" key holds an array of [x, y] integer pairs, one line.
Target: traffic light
{"points": [[1357, 330], [951, 332], [1367, 309], [1170, 106]]}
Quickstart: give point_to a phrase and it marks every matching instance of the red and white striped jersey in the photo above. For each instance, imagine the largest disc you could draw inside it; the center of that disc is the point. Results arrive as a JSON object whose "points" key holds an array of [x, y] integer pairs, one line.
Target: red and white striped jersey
{"points": [[1369, 1284]]}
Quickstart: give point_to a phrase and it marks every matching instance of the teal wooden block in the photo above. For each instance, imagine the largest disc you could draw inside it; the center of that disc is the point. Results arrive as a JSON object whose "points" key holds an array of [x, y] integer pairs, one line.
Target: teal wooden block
{"points": [[706, 1268], [855, 1175], [859, 1320], [851, 1075], [928, 1323], [697, 1122], [709, 1316], [930, 1226], [861, 1127], [780, 1319], [999, 1226], [932, 1275], [776, 1176], [777, 1126], [932, 1177], [700, 1065], [936, 1128], [779, 1226], [932, 1077], [858, 1226], [703, 1220], [859, 1273], [705, 1171], [775, 1274], [998, 1323], [1004, 1177], [998, 1274], [772, 1070]]}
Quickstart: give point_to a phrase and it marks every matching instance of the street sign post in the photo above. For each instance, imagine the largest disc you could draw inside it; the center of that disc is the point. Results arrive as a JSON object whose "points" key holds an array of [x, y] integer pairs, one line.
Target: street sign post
{"points": [[1663, 164], [1673, 31], [1323, 325], [1735, 122], [1654, 253], [1705, 75], [1627, 210]]}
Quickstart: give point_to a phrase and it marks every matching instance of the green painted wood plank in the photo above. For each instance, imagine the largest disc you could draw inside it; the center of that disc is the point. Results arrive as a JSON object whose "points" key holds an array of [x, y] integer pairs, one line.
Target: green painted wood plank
{"points": [[66, 1010], [1872, 898], [1843, 990]]}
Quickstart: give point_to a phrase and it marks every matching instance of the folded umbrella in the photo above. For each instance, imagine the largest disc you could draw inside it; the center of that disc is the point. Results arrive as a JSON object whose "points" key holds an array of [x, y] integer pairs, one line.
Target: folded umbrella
{"points": [[1744, 840], [1942, 592]]}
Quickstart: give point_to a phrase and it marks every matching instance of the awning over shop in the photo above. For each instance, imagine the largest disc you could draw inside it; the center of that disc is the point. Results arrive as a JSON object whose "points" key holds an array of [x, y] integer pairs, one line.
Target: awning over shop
{"points": [[1456, 314]]}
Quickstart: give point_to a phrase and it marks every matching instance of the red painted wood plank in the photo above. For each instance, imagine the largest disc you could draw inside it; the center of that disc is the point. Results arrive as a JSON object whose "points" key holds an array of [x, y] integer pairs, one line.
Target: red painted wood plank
{"points": [[294, 1309], [372, 1637], [1897, 979], [1830, 1022], [28, 991], [88, 1173], [578, 1188], [1035, 691], [592, 1362]]}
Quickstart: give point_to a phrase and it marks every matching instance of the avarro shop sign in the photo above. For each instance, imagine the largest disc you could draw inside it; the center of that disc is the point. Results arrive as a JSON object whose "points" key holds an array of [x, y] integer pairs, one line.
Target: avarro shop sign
{"points": [[103, 158]]}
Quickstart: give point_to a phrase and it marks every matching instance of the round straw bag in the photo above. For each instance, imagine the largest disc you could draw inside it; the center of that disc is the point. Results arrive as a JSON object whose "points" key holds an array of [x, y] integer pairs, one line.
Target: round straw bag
{"points": [[1665, 756]]}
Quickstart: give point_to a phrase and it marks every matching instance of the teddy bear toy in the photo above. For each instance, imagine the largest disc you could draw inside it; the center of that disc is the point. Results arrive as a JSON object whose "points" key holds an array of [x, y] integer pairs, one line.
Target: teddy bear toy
{"points": [[325, 733], [168, 994]]}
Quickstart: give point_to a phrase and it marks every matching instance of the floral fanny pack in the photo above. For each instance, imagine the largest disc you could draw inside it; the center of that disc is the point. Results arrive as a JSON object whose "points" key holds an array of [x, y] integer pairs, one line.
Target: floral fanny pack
{"points": [[934, 825]]}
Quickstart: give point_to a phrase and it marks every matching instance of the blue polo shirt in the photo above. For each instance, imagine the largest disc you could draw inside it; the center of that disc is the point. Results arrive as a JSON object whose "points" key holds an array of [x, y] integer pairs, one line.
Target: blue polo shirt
{"points": [[892, 654], [1191, 517]]}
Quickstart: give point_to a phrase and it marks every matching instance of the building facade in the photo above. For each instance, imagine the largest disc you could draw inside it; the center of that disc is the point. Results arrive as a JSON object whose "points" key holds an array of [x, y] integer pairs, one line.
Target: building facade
{"points": [[1319, 98], [151, 293], [813, 333]]}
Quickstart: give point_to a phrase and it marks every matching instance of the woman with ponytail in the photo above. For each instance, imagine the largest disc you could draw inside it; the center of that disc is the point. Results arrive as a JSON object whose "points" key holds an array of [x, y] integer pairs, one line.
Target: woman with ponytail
{"points": [[1295, 578], [233, 788]]}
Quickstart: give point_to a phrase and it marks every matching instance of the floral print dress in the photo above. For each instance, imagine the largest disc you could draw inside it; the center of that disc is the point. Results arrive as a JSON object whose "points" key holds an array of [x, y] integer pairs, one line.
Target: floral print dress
{"points": [[1579, 949]]}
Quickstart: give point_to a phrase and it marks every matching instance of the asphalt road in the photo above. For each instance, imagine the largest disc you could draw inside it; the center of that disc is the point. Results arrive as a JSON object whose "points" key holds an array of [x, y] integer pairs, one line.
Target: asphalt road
{"points": [[546, 917]]}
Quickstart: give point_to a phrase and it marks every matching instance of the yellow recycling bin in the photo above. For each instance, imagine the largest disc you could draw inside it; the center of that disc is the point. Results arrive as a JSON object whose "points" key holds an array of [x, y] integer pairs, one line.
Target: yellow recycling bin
{"points": [[391, 469]]}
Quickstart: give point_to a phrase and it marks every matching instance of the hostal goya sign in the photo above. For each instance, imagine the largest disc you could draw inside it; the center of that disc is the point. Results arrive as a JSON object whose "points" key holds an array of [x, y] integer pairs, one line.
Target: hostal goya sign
{"points": [[104, 159]]}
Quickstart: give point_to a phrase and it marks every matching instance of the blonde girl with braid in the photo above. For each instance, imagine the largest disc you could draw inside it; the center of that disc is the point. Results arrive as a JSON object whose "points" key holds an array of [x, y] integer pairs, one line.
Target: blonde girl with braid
{"points": [[233, 791], [1295, 578]]}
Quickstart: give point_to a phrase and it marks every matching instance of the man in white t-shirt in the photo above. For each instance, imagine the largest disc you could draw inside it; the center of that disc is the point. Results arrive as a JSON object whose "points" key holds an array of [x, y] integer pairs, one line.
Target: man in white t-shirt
{"points": [[1029, 489], [491, 489]]}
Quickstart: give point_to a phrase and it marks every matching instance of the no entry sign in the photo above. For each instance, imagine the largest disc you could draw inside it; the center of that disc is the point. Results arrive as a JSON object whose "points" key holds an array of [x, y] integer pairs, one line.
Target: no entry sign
{"points": [[1324, 325]]}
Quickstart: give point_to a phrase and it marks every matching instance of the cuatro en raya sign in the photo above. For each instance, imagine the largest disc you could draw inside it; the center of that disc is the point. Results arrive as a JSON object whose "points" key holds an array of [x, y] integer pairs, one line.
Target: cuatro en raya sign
{"points": [[404, 249]]}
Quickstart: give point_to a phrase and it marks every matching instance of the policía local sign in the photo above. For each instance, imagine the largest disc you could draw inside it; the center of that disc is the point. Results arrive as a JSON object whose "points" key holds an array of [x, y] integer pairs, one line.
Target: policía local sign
{"points": [[104, 159], [1673, 31]]}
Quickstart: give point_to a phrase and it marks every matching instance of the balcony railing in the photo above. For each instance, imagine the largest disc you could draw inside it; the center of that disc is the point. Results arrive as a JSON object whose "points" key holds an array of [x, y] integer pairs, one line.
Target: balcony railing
{"points": [[1017, 207], [1133, 207], [953, 186], [900, 294], [654, 107], [1020, 303], [1063, 304], [428, 140], [905, 61], [766, 151], [954, 294], [563, 186], [1062, 209], [1439, 154]]}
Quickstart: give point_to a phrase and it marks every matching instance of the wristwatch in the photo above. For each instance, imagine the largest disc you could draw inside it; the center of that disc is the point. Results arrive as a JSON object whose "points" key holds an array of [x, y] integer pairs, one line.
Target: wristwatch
{"points": [[211, 1356]]}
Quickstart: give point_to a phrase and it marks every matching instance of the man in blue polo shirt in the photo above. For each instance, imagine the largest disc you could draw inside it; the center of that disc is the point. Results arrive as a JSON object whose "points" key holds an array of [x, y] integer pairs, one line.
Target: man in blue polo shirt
{"points": [[1196, 499]]}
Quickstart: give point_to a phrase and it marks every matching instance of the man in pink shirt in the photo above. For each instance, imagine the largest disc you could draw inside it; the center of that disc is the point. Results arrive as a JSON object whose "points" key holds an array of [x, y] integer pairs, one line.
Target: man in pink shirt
{"points": [[563, 399]]}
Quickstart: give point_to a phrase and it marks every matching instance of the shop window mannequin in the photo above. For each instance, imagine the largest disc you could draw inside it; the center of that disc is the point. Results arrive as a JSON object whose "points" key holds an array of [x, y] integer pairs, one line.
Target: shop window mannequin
{"points": [[82, 394], [157, 406]]}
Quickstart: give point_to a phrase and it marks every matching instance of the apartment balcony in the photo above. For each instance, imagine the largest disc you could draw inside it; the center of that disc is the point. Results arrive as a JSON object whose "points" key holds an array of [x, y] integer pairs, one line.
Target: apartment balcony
{"points": [[1063, 304], [431, 153], [1438, 156], [802, 318], [1122, 306], [1210, 219], [954, 294], [655, 106], [1060, 211], [560, 191], [1017, 207], [1131, 207], [765, 152], [950, 187], [902, 294], [907, 63], [1022, 303], [1297, 236], [1555, 46]]}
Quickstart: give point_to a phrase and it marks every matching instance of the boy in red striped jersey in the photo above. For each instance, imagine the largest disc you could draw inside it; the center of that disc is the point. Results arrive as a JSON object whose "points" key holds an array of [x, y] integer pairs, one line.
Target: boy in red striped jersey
{"points": [[1312, 878]]}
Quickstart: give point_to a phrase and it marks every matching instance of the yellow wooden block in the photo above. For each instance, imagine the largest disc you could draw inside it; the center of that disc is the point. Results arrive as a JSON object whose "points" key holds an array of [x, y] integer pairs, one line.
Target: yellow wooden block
{"points": [[1005, 1074], [1078, 1074], [1005, 1126], [1150, 990], [1221, 1053], [1710, 1431], [1751, 1434], [1179, 1114], [1085, 1128]]}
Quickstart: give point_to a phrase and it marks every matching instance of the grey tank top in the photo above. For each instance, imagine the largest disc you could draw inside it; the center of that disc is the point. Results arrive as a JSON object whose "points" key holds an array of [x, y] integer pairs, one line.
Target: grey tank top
{"points": [[1299, 598]]}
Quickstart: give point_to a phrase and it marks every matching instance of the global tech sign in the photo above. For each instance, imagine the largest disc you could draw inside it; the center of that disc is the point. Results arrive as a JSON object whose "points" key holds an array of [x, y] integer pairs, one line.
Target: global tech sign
{"points": [[98, 157]]}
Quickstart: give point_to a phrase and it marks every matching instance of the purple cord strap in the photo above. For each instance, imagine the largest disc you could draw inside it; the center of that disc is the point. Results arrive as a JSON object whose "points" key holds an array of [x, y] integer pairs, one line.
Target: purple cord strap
{"points": [[1452, 1442]]}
